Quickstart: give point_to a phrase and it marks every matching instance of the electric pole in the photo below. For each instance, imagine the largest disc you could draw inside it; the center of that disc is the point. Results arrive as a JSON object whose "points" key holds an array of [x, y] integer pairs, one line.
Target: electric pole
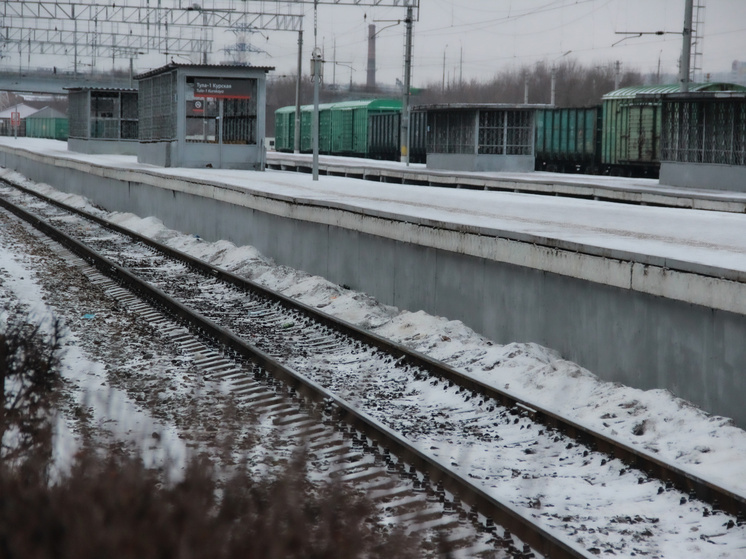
{"points": [[686, 48], [407, 87]]}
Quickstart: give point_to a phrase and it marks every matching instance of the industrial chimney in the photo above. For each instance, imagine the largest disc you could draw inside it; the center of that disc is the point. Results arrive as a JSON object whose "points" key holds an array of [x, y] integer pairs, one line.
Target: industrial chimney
{"points": [[371, 85]]}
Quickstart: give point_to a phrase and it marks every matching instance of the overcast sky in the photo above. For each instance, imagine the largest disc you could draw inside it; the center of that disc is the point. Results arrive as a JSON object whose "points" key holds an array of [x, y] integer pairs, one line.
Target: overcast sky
{"points": [[487, 35], [497, 34]]}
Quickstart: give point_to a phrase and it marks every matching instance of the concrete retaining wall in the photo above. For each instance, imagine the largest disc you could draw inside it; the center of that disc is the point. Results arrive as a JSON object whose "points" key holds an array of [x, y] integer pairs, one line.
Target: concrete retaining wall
{"points": [[645, 322]]}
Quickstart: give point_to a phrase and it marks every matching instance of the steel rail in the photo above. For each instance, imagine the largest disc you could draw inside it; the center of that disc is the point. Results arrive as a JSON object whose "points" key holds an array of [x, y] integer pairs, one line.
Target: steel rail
{"points": [[503, 514]]}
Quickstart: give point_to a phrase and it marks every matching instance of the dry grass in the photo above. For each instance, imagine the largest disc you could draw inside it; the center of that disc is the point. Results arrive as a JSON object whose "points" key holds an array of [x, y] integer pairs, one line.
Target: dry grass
{"points": [[114, 507]]}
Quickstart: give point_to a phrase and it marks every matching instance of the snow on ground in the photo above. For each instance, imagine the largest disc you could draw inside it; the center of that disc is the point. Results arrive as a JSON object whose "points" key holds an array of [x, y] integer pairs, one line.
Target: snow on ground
{"points": [[654, 420]]}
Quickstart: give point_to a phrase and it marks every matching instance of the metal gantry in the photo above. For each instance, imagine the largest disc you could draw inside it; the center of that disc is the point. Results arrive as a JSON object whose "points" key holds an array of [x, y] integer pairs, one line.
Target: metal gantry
{"points": [[99, 29], [34, 22]]}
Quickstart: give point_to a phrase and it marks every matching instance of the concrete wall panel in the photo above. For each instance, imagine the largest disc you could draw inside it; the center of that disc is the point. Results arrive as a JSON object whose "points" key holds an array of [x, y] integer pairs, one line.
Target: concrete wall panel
{"points": [[414, 283]]}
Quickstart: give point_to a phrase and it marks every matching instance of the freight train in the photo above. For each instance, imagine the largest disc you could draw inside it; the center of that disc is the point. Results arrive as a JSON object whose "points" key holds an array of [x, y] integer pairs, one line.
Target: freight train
{"points": [[621, 136]]}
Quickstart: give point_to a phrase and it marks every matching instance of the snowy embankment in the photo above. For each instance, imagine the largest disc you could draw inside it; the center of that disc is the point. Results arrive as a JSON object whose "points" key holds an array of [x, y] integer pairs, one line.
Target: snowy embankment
{"points": [[655, 420]]}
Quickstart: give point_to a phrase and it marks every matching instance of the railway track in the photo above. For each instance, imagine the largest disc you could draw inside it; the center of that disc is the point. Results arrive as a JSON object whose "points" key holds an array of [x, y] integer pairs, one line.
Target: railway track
{"points": [[386, 393]]}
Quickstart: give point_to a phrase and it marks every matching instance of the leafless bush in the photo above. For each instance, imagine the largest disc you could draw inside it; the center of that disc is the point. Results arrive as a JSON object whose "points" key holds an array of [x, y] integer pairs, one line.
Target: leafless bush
{"points": [[114, 507], [29, 371], [110, 505]]}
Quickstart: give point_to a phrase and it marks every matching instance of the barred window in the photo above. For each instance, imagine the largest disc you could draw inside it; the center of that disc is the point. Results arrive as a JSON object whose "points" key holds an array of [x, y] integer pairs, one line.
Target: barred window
{"points": [[157, 109], [505, 132], [451, 132]]}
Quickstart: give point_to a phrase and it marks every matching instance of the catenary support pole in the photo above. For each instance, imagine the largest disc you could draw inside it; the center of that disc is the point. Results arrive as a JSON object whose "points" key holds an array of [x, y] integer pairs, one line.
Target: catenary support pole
{"points": [[686, 47], [407, 81], [296, 138]]}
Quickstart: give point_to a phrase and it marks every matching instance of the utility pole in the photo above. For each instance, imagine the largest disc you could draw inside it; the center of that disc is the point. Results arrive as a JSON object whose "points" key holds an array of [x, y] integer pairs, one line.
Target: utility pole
{"points": [[461, 68], [317, 65], [296, 138], [75, 43], [686, 47], [407, 80], [617, 74], [443, 83]]}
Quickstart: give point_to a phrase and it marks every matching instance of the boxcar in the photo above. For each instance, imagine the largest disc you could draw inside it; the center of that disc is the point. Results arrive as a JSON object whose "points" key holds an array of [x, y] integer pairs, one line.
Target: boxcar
{"points": [[343, 127], [47, 123], [568, 140], [285, 129]]}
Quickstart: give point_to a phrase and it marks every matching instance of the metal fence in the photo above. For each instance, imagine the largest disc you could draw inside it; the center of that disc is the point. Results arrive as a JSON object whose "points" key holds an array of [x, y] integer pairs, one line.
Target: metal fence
{"points": [[78, 113], [710, 130], [506, 132], [157, 109], [487, 131], [451, 132]]}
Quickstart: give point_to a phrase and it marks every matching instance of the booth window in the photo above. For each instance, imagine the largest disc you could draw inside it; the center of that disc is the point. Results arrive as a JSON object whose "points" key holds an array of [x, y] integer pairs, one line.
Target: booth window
{"points": [[104, 115], [505, 132], [451, 131], [209, 98]]}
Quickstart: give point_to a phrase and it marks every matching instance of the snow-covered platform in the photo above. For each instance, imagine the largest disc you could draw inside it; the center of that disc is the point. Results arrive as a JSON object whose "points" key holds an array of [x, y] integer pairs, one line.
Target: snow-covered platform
{"points": [[653, 297]]}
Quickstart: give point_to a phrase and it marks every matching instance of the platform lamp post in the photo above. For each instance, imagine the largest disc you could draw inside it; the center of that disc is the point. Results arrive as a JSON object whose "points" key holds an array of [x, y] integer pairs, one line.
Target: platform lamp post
{"points": [[133, 54], [553, 91], [317, 74]]}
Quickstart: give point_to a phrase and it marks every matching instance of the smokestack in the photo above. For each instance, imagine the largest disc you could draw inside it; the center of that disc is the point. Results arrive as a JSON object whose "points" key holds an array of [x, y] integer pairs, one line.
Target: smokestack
{"points": [[371, 57]]}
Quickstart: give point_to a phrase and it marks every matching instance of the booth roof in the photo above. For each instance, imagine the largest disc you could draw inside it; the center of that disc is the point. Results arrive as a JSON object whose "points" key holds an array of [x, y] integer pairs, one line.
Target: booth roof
{"points": [[173, 65]]}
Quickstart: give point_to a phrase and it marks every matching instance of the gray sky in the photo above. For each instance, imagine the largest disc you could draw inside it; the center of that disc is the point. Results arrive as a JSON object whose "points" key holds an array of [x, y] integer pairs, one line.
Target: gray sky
{"points": [[498, 34], [488, 35]]}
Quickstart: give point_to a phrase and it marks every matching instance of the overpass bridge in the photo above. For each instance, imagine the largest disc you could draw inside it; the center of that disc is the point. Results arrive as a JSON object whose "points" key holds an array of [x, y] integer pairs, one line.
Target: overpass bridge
{"points": [[49, 80]]}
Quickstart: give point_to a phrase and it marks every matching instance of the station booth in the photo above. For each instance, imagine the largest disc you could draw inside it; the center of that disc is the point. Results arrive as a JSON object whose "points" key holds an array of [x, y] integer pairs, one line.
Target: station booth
{"points": [[197, 115], [102, 120], [479, 137], [703, 140]]}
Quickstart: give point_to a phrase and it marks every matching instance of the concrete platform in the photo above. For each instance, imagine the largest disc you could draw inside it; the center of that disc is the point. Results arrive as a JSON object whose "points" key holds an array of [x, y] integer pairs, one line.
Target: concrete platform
{"points": [[652, 297]]}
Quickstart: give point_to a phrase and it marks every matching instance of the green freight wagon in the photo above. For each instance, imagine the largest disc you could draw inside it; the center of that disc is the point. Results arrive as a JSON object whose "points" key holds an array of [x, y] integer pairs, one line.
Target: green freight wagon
{"points": [[350, 129], [384, 131], [632, 126], [568, 140], [343, 127], [47, 123], [285, 129]]}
